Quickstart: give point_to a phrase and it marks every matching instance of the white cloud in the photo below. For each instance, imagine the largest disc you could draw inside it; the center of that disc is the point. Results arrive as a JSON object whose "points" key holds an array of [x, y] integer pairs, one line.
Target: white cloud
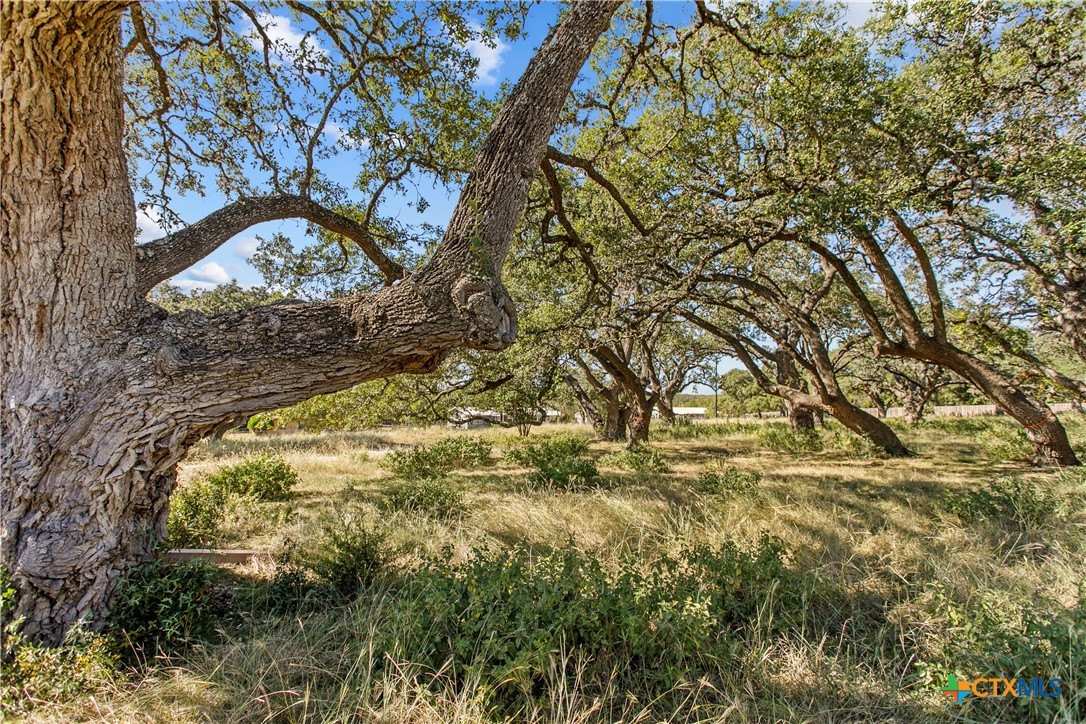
{"points": [[210, 272], [285, 37], [148, 225], [191, 284], [858, 13], [246, 246], [339, 135], [490, 59]]}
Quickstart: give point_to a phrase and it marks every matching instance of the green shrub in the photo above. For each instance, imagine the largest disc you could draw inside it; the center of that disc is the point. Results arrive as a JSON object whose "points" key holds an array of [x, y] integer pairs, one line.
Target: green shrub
{"points": [[780, 437], [428, 462], [1013, 500], [345, 550], [464, 452], [441, 498], [728, 480], [1012, 636], [263, 476], [418, 463], [196, 515], [501, 617], [557, 462], [162, 605], [263, 422], [562, 444], [32, 675], [7, 593], [853, 445], [641, 458]]}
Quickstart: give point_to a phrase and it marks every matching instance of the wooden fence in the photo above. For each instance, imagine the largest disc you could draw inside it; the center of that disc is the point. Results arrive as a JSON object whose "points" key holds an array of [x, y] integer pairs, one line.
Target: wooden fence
{"points": [[937, 411]]}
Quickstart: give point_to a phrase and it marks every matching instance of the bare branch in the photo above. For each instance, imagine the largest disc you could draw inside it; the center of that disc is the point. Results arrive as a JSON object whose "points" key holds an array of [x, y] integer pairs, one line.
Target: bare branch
{"points": [[162, 258]]}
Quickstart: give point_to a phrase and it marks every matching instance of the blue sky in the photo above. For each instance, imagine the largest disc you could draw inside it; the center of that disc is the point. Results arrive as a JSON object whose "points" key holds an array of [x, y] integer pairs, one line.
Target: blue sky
{"points": [[503, 62]]}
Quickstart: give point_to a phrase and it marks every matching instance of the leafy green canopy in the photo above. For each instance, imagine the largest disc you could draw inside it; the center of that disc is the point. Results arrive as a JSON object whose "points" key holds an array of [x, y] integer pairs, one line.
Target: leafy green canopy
{"points": [[256, 98]]}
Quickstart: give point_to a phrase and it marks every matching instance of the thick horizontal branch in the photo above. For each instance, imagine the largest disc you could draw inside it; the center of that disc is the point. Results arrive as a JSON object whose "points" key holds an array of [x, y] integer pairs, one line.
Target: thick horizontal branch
{"points": [[161, 259]]}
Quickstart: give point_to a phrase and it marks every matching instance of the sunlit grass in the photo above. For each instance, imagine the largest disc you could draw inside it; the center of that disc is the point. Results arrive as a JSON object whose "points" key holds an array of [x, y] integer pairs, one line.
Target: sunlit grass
{"points": [[874, 531]]}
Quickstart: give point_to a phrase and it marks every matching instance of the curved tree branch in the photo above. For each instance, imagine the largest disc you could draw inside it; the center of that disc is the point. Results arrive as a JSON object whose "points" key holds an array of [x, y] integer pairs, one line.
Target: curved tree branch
{"points": [[161, 259]]}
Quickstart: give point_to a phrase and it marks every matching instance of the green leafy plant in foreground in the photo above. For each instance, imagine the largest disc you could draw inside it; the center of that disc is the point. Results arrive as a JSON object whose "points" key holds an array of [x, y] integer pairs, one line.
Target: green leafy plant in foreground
{"points": [[263, 476], [557, 462]]}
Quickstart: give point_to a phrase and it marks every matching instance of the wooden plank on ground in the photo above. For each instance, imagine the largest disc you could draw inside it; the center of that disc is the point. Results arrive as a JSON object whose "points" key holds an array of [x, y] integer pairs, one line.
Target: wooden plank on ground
{"points": [[213, 555]]}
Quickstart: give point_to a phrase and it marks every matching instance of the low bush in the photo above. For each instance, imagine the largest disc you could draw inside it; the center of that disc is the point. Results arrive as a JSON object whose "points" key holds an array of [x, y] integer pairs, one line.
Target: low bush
{"points": [[196, 515], [557, 463], [418, 463], [562, 444], [263, 476], [1014, 500], [782, 438], [440, 498], [32, 675], [1016, 636], [161, 606], [427, 462], [500, 618], [842, 439], [345, 550], [641, 458], [464, 452], [730, 479]]}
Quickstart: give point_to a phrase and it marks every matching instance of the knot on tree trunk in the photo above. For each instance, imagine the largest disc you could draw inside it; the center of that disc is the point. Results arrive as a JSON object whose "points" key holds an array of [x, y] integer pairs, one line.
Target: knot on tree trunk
{"points": [[488, 311]]}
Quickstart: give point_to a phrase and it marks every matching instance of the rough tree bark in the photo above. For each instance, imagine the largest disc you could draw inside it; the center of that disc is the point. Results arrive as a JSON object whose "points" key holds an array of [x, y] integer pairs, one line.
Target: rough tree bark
{"points": [[799, 417], [1044, 429], [641, 402], [615, 409], [589, 410], [1072, 315], [103, 393]]}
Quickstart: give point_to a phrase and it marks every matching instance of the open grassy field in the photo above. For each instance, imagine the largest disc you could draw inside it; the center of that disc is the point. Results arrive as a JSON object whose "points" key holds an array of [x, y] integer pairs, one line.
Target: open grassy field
{"points": [[751, 575]]}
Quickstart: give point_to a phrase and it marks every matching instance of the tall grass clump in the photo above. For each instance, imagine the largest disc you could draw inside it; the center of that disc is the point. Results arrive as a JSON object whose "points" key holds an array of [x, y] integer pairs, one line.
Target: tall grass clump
{"points": [[1014, 501], [344, 549]]}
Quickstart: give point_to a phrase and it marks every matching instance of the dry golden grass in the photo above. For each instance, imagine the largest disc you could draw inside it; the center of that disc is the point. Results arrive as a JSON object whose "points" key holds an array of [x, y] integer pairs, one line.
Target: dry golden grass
{"points": [[875, 529]]}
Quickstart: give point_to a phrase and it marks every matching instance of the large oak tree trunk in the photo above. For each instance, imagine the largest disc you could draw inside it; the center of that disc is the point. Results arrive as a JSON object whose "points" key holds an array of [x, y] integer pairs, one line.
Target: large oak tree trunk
{"points": [[103, 393], [616, 419], [1048, 436], [868, 426], [1072, 315], [589, 411], [640, 417]]}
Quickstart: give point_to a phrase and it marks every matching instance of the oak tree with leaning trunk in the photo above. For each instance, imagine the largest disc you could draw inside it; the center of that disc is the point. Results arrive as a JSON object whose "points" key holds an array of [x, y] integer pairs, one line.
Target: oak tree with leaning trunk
{"points": [[103, 392]]}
